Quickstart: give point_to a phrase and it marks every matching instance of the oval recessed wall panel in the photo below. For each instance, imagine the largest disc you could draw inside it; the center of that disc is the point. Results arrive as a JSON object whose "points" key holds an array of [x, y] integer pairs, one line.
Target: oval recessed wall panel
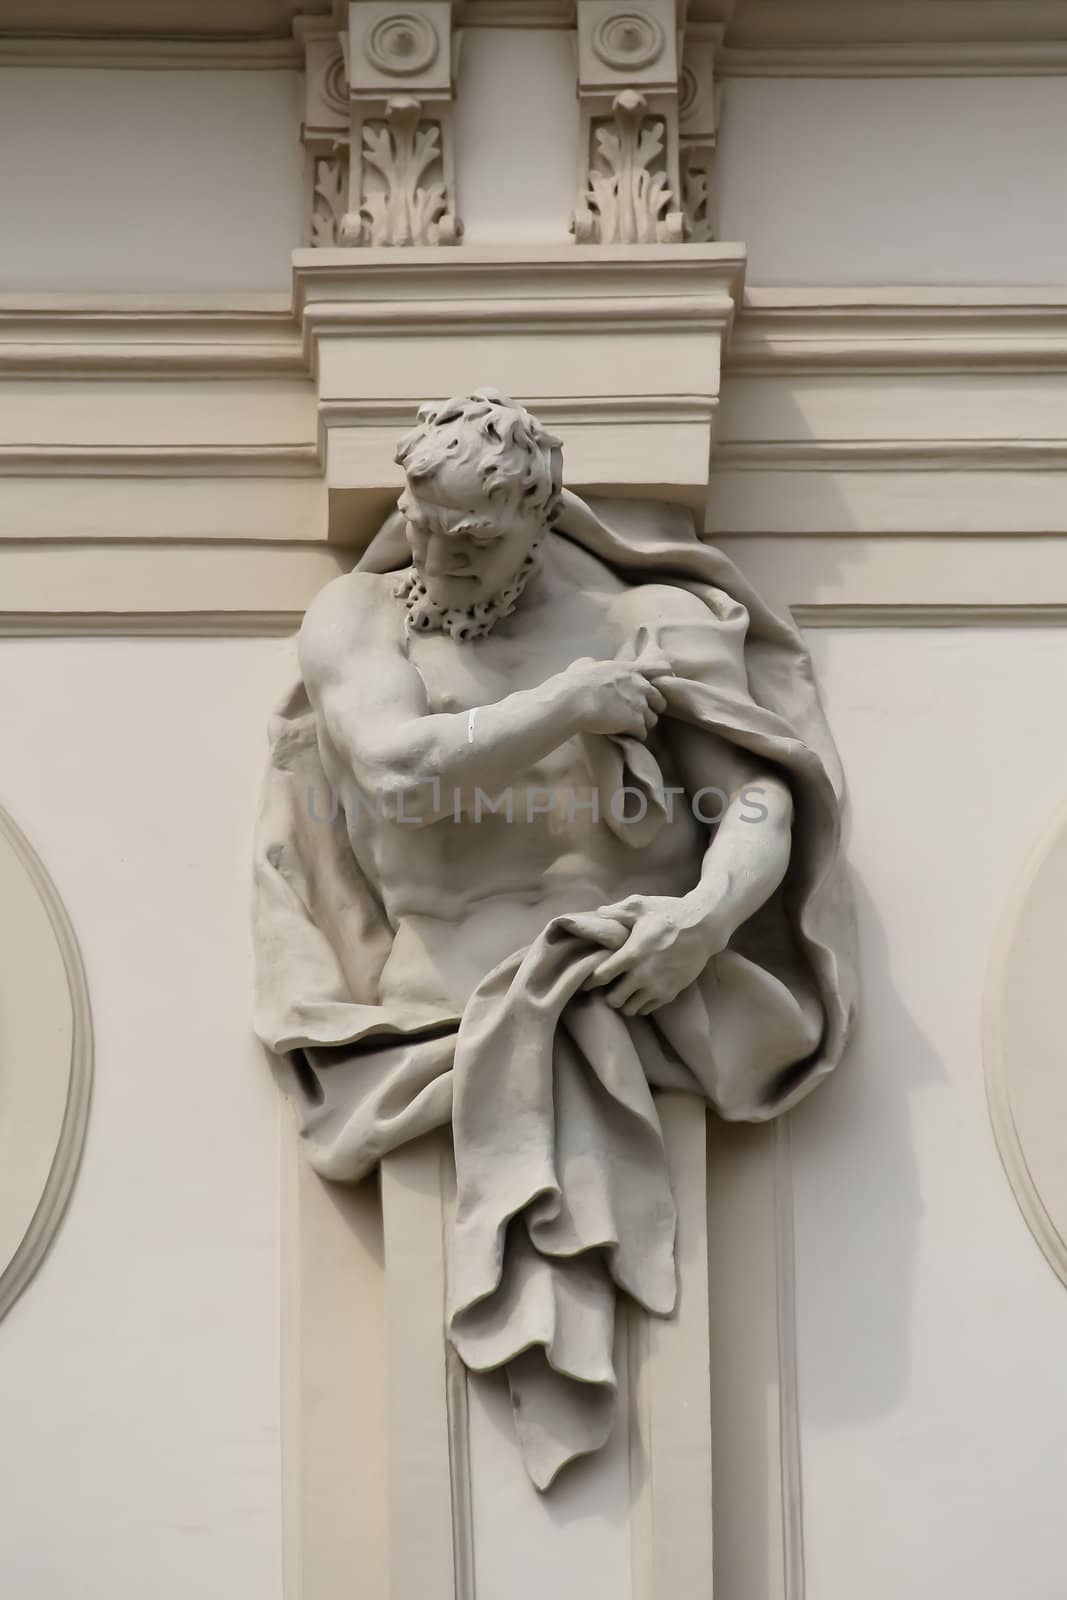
{"points": [[45, 1061], [1026, 1042]]}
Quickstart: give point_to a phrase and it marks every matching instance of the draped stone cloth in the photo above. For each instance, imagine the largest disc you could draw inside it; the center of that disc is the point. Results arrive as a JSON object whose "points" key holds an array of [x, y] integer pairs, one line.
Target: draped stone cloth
{"points": [[563, 1194]]}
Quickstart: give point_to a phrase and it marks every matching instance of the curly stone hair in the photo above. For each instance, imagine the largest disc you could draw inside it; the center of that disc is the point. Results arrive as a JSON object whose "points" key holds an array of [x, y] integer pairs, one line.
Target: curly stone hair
{"points": [[512, 455]]}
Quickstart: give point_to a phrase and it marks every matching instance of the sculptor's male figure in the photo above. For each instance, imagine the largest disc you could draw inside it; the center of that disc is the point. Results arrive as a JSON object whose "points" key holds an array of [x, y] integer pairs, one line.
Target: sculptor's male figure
{"points": [[494, 665]]}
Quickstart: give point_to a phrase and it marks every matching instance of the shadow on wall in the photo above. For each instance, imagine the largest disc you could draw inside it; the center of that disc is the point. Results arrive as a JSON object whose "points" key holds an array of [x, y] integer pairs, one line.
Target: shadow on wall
{"points": [[858, 1203]]}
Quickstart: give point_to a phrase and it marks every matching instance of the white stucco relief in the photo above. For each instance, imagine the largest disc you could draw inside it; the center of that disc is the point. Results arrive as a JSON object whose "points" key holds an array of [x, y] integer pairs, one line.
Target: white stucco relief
{"points": [[378, 124], [550, 826]]}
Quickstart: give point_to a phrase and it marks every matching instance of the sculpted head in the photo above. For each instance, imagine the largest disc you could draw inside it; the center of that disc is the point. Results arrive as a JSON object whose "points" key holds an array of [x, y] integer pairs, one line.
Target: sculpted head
{"points": [[483, 486]]}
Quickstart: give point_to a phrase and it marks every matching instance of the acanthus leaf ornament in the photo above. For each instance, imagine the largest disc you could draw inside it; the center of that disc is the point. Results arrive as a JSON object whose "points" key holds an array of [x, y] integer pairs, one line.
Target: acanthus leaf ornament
{"points": [[629, 198], [330, 186], [378, 126], [629, 182], [405, 198]]}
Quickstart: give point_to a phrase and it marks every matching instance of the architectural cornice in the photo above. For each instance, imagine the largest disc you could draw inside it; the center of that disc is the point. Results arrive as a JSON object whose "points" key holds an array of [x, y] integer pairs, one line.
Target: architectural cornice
{"points": [[643, 328], [60, 336], [535, 289], [933, 58], [900, 329], [826, 24], [893, 455], [195, 460], [771, 38], [148, 53], [776, 330]]}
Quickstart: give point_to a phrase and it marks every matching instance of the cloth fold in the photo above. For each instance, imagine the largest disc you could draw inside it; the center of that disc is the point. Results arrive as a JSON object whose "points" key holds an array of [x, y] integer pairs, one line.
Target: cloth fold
{"points": [[563, 1194]]}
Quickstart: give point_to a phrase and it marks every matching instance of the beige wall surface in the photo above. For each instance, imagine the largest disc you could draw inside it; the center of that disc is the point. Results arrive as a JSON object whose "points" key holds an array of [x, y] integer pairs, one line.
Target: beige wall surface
{"points": [[933, 1390], [896, 180], [515, 94], [139, 1377], [141, 1387], [118, 180]]}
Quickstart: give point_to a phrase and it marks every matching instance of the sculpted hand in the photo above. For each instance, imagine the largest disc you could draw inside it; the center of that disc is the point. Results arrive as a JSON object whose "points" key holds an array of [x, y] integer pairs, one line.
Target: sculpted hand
{"points": [[618, 696], [668, 945]]}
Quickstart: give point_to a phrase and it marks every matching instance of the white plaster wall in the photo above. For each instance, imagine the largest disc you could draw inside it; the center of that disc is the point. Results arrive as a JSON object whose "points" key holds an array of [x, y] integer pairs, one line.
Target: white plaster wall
{"points": [[123, 180], [896, 180], [931, 1331], [139, 1373], [516, 135]]}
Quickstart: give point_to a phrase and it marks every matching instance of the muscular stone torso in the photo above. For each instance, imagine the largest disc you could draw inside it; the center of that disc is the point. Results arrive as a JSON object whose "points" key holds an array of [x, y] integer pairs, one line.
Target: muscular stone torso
{"points": [[464, 895]]}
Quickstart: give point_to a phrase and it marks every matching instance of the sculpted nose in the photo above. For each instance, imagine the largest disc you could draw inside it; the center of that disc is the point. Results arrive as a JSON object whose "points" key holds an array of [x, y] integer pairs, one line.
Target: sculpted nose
{"points": [[436, 563]]}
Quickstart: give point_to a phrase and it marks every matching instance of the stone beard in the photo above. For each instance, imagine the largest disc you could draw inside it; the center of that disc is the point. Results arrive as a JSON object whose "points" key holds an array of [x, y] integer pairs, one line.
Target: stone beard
{"points": [[463, 623]]}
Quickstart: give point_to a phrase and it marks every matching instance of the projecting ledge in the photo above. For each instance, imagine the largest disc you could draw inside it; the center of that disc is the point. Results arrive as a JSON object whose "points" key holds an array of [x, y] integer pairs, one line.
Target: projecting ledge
{"points": [[619, 349]]}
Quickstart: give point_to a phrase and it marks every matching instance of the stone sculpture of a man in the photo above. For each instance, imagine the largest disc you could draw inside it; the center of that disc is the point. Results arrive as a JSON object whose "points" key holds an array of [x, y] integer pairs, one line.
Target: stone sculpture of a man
{"points": [[550, 824]]}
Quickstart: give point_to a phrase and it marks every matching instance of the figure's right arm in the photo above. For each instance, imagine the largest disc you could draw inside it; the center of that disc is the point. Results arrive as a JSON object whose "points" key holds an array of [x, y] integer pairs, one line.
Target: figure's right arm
{"points": [[373, 705]]}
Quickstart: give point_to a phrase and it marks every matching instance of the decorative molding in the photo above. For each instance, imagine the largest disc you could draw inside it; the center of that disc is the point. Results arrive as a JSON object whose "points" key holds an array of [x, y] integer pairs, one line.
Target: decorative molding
{"points": [[149, 54], [899, 330], [283, 624], [149, 624], [785, 24], [20, 1267], [377, 125], [629, 198], [777, 331], [66, 336], [918, 614], [936, 59], [536, 287], [629, 180], [159, 460], [893, 455], [775, 37], [383, 326], [329, 197], [405, 194]]}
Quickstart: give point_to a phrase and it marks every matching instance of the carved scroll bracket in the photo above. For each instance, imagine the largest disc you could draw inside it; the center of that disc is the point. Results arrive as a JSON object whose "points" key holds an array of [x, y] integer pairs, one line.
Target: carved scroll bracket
{"points": [[628, 172], [648, 125], [378, 124]]}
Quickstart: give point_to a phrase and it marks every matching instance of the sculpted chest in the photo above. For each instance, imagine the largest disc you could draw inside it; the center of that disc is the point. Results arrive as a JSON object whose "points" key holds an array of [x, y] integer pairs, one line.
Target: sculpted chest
{"points": [[458, 676]]}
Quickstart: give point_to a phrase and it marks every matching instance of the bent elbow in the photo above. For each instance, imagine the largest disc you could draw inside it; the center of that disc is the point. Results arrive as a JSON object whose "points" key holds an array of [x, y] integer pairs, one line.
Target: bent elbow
{"points": [[767, 800]]}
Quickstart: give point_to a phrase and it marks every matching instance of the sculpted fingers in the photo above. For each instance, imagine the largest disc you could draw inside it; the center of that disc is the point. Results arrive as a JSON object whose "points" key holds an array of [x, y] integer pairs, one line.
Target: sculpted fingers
{"points": [[625, 911], [629, 987], [610, 968], [640, 1004]]}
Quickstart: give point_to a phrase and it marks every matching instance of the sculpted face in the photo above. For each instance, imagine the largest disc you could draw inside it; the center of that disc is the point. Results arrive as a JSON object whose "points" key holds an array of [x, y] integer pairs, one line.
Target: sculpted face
{"points": [[483, 487], [465, 549]]}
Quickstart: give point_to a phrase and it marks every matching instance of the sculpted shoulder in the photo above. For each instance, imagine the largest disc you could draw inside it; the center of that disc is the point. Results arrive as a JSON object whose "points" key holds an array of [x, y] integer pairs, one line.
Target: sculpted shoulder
{"points": [[357, 609], [651, 603]]}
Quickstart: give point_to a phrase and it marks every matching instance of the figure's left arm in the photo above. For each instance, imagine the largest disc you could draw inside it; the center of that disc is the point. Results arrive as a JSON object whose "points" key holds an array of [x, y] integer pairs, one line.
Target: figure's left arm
{"points": [[670, 940]]}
